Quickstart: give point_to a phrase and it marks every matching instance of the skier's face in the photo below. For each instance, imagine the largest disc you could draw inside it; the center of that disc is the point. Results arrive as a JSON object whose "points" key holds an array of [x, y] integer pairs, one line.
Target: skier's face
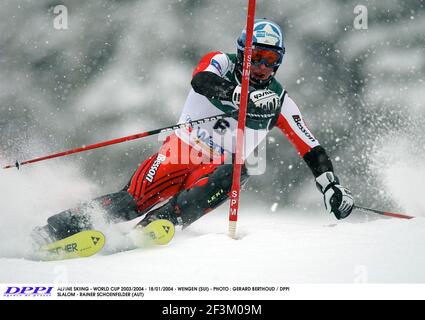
{"points": [[261, 72]]}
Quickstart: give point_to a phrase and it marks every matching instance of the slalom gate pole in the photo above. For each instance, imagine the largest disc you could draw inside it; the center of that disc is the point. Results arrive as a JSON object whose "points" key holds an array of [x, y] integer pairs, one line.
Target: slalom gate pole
{"points": [[17, 164], [237, 165], [384, 213]]}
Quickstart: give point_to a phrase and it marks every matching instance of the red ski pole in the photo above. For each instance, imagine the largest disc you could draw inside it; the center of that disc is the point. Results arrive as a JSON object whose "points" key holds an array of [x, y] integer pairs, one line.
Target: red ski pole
{"points": [[119, 140], [384, 213], [237, 166]]}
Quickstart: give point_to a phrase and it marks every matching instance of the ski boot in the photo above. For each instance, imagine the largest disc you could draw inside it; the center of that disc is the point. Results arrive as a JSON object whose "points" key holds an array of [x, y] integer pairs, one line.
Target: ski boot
{"points": [[116, 207], [42, 236]]}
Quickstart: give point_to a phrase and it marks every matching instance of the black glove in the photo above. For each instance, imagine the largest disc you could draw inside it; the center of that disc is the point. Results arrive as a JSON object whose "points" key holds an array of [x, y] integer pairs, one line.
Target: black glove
{"points": [[338, 200], [262, 104]]}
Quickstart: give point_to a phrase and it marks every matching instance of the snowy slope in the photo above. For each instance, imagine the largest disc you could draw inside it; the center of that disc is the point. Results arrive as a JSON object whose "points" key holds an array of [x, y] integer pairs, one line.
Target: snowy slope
{"points": [[274, 248]]}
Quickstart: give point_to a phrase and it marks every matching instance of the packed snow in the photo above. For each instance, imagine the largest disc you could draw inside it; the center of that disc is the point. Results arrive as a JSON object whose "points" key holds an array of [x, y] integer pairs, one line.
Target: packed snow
{"points": [[275, 246]]}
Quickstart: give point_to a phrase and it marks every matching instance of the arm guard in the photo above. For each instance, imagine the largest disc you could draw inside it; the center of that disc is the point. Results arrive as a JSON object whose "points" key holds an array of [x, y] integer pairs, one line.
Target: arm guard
{"points": [[212, 86], [318, 161]]}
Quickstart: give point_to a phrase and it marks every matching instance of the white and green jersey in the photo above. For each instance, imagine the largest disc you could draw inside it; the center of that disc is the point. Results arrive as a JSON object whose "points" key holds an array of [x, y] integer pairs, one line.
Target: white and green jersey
{"points": [[218, 138]]}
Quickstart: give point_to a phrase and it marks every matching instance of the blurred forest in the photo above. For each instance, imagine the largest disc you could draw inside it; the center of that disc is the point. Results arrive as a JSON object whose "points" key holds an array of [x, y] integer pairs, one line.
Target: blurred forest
{"points": [[124, 66]]}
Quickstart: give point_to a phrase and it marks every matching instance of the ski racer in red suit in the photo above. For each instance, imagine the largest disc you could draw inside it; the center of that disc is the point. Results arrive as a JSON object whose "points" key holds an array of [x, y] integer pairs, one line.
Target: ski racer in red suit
{"points": [[192, 172]]}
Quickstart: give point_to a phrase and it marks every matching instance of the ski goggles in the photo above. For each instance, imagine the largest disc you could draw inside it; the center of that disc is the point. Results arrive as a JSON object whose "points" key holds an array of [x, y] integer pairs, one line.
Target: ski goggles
{"points": [[270, 57]]}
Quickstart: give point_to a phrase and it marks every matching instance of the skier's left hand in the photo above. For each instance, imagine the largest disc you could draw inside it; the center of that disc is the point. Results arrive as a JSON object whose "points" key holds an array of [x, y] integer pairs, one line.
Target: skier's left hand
{"points": [[338, 200]]}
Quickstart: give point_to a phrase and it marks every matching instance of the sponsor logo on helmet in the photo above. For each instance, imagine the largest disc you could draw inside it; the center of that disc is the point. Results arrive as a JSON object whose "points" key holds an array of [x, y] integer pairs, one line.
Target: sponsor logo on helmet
{"points": [[297, 120], [154, 168], [266, 34]]}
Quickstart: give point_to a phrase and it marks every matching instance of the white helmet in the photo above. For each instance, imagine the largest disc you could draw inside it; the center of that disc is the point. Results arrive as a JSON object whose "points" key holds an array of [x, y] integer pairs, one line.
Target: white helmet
{"points": [[267, 35]]}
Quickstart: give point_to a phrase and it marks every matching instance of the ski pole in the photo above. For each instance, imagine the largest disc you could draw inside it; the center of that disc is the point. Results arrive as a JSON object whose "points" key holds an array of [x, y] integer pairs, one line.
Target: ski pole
{"points": [[384, 213], [237, 166], [17, 164]]}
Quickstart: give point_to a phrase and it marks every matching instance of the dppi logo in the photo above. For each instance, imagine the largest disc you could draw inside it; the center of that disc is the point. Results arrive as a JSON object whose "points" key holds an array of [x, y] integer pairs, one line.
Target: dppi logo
{"points": [[28, 291]]}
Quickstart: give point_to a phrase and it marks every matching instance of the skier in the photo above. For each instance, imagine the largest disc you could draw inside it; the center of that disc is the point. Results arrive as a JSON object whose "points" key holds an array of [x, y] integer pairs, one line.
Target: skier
{"points": [[192, 172]]}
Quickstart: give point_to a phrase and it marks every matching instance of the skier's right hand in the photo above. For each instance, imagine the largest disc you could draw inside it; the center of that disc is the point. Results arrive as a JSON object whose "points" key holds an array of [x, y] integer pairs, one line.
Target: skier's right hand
{"points": [[236, 95], [338, 200]]}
